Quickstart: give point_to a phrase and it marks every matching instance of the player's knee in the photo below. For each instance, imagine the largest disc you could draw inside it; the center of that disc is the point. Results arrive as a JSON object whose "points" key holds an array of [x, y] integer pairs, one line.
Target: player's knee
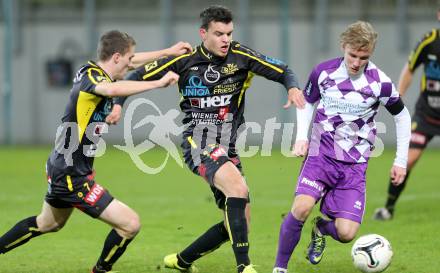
{"points": [[302, 207], [301, 212], [346, 234], [44, 225], [133, 226], [239, 190], [243, 191], [50, 227]]}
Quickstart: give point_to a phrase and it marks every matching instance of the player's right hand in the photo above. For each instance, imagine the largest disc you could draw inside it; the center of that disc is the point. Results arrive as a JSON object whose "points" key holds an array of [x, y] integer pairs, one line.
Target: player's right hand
{"points": [[179, 49], [169, 78], [296, 97], [115, 115], [300, 148], [397, 175]]}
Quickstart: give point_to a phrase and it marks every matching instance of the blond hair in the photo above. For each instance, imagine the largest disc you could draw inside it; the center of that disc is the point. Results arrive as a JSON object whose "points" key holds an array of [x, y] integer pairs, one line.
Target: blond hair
{"points": [[360, 36]]}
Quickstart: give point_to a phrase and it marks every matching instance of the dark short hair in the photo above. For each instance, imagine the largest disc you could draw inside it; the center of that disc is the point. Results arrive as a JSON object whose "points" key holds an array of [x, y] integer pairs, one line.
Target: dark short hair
{"points": [[113, 42], [215, 13]]}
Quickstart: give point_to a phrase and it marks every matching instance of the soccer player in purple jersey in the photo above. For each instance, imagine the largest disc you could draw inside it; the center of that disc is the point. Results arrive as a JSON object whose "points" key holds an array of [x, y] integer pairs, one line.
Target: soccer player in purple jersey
{"points": [[348, 91]]}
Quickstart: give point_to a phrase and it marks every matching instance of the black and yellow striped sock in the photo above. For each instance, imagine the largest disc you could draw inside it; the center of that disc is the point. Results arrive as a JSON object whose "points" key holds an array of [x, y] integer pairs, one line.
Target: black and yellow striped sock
{"points": [[114, 247], [209, 241], [20, 234], [237, 228]]}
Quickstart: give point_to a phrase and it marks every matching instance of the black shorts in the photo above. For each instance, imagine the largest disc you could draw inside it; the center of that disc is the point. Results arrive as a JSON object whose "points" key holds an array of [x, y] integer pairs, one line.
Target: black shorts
{"points": [[81, 192], [205, 162], [423, 129]]}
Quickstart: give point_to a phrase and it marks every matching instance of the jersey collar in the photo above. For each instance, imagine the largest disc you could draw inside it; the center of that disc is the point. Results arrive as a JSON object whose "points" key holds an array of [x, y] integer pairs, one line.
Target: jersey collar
{"points": [[92, 63], [208, 55]]}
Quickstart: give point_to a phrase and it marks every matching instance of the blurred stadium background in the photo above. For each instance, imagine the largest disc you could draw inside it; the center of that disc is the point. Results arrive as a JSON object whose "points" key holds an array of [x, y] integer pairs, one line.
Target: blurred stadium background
{"points": [[45, 41]]}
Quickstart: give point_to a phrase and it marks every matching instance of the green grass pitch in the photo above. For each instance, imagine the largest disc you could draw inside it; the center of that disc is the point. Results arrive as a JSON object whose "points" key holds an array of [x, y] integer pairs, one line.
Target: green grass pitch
{"points": [[176, 206]]}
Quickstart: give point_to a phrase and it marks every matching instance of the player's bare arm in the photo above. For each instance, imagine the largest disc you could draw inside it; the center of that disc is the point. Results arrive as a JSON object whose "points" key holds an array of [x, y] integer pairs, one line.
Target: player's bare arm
{"points": [[177, 49], [405, 80], [127, 88]]}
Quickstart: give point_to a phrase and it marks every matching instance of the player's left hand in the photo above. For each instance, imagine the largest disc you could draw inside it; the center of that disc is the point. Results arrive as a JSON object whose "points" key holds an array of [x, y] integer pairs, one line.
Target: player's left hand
{"points": [[295, 96], [300, 148], [115, 115], [168, 79], [397, 175], [179, 49]]}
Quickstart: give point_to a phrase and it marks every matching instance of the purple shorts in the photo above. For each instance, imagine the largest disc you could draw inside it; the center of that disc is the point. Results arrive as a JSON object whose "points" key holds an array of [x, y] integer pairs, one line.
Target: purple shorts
{"points": [[341, 185]]}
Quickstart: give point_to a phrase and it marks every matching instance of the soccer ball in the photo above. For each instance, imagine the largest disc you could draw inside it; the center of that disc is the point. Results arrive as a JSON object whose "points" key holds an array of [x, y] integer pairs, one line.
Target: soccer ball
{"points": [[371, 253]]}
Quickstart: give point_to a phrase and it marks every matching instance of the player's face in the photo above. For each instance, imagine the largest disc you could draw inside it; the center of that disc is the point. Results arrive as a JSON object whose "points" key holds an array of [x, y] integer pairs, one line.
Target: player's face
{"points": [[356, 59], [123, 63], [217, 38]]}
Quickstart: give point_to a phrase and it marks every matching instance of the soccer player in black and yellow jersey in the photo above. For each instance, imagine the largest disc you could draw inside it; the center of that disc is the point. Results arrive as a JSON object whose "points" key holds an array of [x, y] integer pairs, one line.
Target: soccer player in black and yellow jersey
{"points": [[213, 82], [426, 118], [70, 165]]}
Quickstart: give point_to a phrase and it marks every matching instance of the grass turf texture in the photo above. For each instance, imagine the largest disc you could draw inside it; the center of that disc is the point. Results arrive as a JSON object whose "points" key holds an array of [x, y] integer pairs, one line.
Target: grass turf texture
{"points": [[175, 206]]}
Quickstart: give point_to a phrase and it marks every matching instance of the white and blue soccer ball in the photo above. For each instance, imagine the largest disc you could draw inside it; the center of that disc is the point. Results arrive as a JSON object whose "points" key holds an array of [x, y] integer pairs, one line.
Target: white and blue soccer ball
{"points": [[371, 253]]}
